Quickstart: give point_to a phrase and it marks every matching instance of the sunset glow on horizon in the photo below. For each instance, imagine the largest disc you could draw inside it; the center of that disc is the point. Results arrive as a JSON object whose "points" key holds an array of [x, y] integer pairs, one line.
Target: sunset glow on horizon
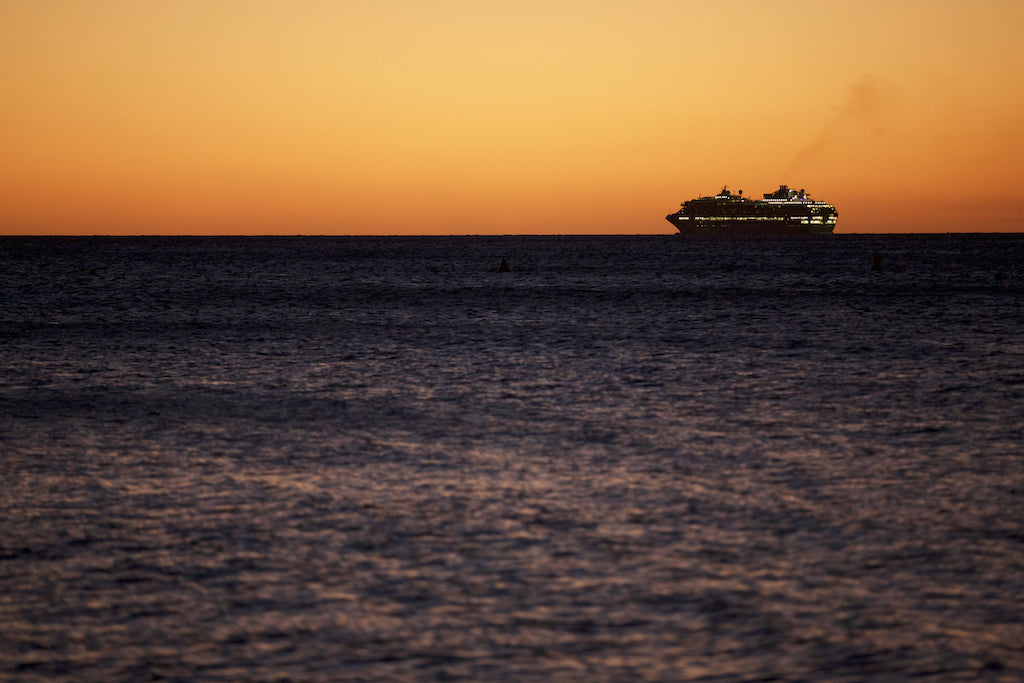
{"points": [[461, 117]]}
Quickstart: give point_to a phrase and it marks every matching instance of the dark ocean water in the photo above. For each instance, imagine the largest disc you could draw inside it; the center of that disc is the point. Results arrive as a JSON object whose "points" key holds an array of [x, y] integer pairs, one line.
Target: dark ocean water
{"points": [[631, 458]]}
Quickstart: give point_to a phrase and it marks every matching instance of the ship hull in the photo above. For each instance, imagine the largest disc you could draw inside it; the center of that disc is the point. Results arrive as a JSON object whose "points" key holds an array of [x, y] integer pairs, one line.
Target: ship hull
{"points": [[746, 227]]}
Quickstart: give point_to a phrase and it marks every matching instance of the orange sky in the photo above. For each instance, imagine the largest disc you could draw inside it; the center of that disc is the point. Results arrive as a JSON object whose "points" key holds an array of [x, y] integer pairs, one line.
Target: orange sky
{"points": [[464, 116]]}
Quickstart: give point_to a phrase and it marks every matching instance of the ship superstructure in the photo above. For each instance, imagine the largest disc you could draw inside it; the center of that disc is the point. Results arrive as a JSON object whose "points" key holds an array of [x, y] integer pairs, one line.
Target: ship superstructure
{"points": [[783, 212]]}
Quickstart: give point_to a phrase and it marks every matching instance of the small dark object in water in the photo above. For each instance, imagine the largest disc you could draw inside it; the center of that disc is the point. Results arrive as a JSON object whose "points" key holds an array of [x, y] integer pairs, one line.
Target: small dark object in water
{"points": [[876, 261], [503, 268]]}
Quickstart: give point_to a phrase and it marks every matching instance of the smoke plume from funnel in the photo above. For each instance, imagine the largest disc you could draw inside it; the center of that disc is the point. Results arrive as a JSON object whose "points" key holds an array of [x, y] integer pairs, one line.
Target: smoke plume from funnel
{"points": [[862, 110]]}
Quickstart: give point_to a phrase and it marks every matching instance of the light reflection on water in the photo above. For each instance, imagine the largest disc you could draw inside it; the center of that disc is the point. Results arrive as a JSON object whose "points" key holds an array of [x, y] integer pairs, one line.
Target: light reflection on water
{"points": [[635, 458]]}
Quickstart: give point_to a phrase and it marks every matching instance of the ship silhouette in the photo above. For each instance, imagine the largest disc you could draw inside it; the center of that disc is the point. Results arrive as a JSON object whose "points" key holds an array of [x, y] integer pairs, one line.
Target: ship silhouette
{"points": [[783, 212]]}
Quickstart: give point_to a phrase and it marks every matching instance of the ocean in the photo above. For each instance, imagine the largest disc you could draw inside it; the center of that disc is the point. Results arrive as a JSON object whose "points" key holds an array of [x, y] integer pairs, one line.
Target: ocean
{"points": [[628, 458]]}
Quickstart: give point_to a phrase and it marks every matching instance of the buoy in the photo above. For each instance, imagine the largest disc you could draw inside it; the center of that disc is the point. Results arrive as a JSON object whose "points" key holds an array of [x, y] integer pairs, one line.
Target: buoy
{"points": [[876, 261], [503, 268]]}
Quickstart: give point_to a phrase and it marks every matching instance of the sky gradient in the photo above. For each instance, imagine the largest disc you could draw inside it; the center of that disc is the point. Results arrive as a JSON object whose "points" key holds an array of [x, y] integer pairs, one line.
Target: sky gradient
{"points": [[472, 117]]}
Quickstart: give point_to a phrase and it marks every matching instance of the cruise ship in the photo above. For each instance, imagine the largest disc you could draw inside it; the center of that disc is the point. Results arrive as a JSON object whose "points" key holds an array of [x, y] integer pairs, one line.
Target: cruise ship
{"points": [[783, 212]]}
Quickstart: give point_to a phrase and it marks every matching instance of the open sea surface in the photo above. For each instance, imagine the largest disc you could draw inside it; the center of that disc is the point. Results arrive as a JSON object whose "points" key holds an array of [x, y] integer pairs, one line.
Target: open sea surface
{"points": [[629, 458]]}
